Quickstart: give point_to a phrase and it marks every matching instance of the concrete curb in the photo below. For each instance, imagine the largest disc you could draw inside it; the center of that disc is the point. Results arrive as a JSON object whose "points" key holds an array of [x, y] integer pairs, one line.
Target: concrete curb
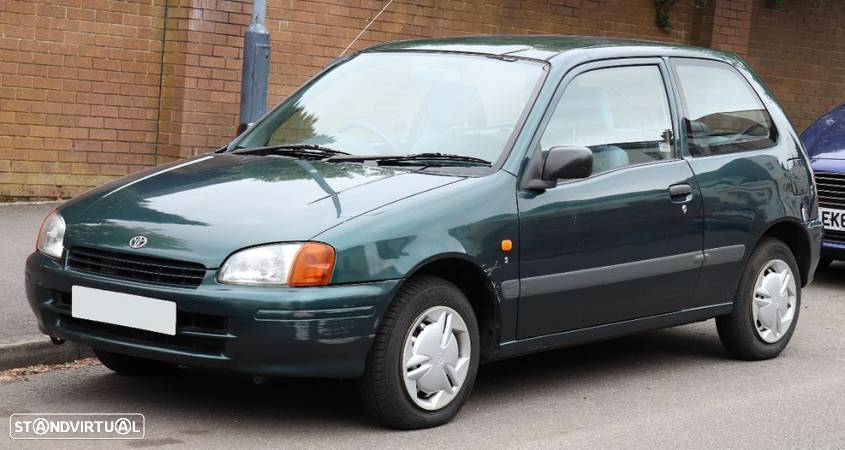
{"points": [[40, 351], [40, 202]]}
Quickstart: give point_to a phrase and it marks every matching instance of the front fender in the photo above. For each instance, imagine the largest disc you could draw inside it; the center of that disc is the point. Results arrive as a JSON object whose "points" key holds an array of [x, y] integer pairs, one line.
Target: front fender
{"points": [[468, 219]]}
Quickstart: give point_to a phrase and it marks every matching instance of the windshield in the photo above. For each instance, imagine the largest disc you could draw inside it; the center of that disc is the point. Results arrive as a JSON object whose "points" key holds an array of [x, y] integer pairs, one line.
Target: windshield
{"points": [[406, 104]]}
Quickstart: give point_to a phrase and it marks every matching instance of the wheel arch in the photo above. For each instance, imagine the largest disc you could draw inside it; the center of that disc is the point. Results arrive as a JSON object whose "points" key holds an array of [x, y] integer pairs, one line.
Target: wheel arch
{"points": [[795, 235], [461, 270]]}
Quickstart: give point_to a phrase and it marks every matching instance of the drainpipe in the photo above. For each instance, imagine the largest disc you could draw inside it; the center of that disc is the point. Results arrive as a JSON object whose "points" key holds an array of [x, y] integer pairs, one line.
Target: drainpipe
{"points": [[256, 70]]}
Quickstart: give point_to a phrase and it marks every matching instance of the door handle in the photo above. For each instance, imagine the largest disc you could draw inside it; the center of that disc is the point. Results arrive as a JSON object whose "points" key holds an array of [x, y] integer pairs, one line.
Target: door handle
{"points": [[680, 193]]}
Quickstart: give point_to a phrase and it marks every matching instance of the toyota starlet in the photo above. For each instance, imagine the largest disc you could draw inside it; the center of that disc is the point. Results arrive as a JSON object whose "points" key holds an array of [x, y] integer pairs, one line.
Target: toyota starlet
{"points": [[422, 207]]}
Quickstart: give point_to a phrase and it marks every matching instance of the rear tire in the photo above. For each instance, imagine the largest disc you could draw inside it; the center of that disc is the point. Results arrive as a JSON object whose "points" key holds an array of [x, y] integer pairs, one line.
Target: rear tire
{"points": [[131, 365], [426, 312], [763, 318]]}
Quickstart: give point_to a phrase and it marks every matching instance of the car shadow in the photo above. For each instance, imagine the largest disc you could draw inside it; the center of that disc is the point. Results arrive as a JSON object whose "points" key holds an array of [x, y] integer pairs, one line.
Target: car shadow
{"points": [[309, 405], [649, 351]]}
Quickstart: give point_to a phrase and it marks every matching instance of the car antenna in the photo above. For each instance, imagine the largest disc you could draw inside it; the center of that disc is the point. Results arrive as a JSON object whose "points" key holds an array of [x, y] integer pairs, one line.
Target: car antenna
{"points": [[365, 28]]}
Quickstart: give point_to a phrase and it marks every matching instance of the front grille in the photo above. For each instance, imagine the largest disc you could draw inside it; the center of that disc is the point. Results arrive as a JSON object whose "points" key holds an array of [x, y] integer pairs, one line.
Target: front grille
{"points": [[831, 187], [137, 268]]}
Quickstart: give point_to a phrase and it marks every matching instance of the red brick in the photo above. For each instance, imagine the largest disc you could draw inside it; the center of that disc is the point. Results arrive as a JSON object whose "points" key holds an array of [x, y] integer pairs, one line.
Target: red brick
{"points": [[81, 84], [26, 166]]}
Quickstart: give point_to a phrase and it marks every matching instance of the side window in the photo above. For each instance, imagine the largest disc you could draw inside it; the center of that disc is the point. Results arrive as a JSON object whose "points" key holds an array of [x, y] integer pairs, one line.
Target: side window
{"points": [[722, 113], [620, 113]]}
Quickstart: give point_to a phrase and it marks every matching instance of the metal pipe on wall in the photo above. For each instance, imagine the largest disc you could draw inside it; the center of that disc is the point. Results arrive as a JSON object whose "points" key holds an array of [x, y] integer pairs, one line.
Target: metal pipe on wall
{"points": [[256, 67]]}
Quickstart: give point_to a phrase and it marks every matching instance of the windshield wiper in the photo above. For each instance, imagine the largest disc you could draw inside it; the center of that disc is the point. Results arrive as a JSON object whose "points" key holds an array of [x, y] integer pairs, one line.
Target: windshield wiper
{"points": [[303, 150], [386, 160]]}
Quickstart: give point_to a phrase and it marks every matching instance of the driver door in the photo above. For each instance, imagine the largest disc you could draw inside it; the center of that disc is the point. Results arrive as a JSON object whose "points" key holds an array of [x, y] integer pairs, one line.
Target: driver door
{"points": [[626, 242]]}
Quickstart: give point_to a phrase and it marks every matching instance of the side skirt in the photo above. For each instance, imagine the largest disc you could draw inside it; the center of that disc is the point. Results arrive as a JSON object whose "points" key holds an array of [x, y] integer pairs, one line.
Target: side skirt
{"points": [[571, 338]]}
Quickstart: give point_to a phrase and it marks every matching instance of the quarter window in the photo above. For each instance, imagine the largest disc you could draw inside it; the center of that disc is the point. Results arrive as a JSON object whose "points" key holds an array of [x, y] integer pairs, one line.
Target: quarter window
{"points": [[722, 113], [620, 113]]}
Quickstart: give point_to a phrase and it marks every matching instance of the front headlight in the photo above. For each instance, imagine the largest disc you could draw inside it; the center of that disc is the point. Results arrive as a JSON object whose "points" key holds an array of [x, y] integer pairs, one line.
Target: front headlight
{"points": [[297, 264], [51, 236]]}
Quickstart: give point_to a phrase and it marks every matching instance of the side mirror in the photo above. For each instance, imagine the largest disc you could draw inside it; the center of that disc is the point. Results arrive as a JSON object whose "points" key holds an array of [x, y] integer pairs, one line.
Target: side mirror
{"points": [[558, 163], [568, 162]]}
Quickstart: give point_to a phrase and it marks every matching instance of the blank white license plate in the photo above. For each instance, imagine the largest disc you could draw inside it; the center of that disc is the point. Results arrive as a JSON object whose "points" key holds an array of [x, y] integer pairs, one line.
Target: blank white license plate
{"points": [[833, 219], [128, 310]]}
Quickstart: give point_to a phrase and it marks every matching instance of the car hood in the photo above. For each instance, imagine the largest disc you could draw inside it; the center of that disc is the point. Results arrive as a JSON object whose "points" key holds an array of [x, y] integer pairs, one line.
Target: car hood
{"points": [[204, 209], [829, 165], [825, 138], [831, 154]]}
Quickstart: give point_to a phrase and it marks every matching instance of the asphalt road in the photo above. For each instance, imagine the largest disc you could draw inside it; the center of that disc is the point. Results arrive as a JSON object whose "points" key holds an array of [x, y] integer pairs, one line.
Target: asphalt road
{"points": [[19, 224], [672, 388]]}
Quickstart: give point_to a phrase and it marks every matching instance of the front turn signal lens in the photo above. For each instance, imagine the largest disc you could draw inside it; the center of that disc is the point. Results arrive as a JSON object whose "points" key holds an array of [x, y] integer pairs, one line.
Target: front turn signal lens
{"points": [[507, 245], [312, 266]]}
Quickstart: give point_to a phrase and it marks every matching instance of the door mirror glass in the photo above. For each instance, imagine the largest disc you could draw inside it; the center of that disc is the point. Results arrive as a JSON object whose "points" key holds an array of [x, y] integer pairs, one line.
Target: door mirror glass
{"points": [[567, 163]]}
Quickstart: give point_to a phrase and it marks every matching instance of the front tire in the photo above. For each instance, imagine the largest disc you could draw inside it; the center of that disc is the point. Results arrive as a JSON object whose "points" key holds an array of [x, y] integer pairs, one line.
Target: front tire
{"points": [[766, 306], [424, 360], [131, 365]]}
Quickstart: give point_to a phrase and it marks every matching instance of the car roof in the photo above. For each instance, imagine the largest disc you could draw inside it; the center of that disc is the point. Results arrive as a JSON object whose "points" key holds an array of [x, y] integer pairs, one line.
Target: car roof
{"points": [[548, 47]]}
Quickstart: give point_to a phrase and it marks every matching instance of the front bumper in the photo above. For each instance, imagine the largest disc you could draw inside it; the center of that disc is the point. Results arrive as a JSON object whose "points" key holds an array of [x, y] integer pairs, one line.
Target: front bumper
{"points": [[833, 250], [307, 332]]}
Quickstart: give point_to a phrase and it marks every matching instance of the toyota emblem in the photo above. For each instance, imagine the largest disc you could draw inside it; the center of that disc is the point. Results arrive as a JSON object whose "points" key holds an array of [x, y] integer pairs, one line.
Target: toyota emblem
{"points": [[138, 241]]}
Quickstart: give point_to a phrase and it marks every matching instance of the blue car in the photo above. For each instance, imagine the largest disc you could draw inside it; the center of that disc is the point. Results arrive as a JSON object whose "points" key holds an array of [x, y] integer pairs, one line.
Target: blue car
{"points": [[825, 142]]}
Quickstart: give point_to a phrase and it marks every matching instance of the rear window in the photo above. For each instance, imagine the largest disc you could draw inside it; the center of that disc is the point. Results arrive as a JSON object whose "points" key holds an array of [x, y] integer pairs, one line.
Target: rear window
{"points": [[722, 112]]}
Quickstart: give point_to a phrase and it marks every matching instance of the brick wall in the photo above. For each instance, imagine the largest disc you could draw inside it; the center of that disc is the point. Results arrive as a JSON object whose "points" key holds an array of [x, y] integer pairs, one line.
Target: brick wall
{"points": [[307, 34], [202, 68], [731, 25], [93, 89], [79, 93], [315, 32], [799, 51]]}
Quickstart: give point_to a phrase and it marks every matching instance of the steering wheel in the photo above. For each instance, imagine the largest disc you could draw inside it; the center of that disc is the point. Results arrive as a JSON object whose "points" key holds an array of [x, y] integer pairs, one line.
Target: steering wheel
{"points": [[372, 129]]}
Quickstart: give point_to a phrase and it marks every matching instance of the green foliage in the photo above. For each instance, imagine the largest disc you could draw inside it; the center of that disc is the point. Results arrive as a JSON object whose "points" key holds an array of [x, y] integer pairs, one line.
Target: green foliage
{"points": [[780, 3], [664, 8]]}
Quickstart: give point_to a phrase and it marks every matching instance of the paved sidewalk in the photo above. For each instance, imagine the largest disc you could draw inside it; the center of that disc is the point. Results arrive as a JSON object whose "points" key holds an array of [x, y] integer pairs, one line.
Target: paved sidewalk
{"points": [[18, 226], [21, 344]]}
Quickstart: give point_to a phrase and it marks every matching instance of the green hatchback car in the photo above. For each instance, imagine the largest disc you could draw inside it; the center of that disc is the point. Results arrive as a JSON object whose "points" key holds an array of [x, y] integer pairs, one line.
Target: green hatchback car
{"points": [[422, 207]]}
